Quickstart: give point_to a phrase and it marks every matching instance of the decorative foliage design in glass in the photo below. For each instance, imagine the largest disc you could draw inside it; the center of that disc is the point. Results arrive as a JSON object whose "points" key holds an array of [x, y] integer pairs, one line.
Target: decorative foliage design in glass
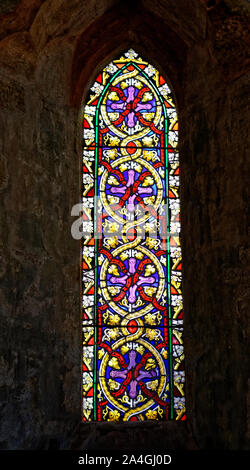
{"points": [[133, 359]]}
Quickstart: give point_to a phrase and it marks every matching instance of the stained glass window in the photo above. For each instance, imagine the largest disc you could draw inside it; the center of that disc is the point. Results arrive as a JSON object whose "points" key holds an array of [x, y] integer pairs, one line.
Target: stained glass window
{"points": [[133, 358]]}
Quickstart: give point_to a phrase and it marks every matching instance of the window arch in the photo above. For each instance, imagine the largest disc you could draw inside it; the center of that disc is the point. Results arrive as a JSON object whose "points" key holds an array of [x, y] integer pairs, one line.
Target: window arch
{"points": [[133, 358]]}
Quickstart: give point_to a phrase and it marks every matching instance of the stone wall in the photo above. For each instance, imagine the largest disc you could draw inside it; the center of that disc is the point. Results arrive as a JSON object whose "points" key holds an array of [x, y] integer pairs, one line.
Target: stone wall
{"points": [[49, 54]]}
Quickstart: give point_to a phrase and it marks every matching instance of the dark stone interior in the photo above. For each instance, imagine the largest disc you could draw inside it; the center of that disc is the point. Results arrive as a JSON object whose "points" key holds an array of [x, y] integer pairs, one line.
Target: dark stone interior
{"points": [[50, 52]]}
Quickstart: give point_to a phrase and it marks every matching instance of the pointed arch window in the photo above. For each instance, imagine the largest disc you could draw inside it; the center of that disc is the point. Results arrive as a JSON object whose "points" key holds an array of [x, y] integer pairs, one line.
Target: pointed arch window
{"points": [[133, 358]]}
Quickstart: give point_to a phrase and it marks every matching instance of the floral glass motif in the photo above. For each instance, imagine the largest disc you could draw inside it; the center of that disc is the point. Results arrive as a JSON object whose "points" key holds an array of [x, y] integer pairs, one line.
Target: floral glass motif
{"points": [[133, 358]]}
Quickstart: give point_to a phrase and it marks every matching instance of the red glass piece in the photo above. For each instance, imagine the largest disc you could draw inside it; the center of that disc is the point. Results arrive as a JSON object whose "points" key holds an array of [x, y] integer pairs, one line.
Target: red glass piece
{"points": [[132, 326], [131, 148], [99, 78]]}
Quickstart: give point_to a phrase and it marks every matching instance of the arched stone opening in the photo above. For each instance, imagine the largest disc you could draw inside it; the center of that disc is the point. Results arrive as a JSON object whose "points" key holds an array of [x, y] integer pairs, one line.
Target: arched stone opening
{"points": [[168, 53]]}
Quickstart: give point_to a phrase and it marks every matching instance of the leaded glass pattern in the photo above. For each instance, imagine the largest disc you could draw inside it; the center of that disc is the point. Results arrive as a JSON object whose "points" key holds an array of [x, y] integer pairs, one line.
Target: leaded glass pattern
{"points": [[133, 357]]}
